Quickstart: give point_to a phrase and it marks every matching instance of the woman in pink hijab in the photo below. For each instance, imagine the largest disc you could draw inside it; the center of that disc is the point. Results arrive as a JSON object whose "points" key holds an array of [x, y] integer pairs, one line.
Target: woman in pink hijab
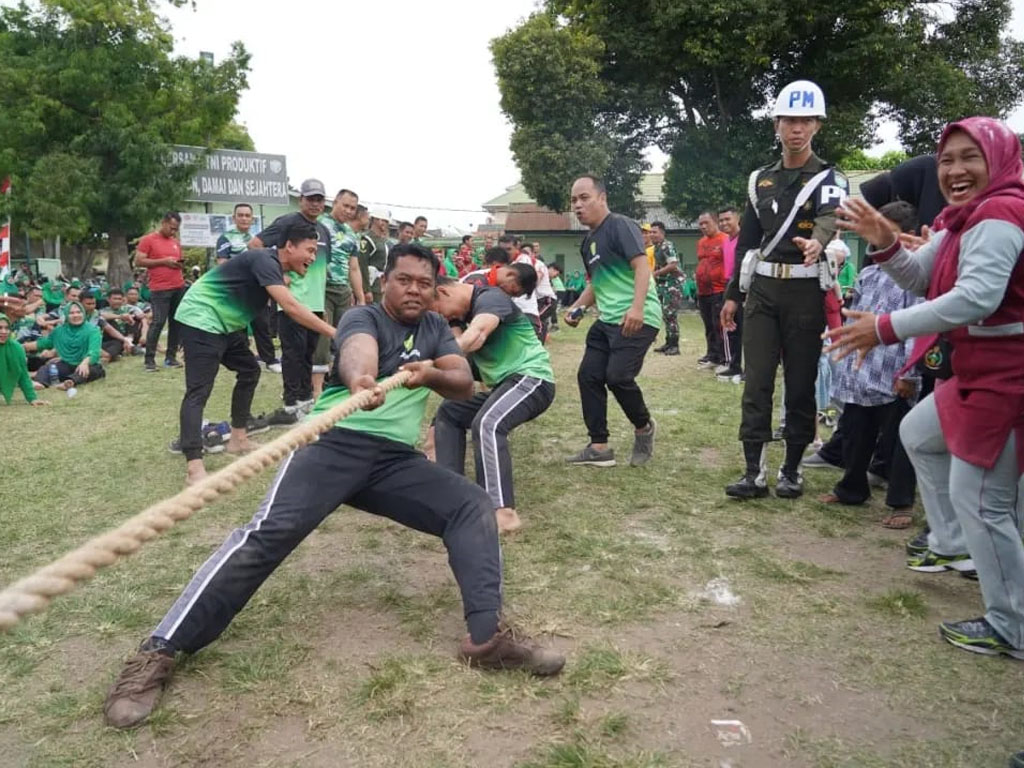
{"points": [[966, 440]]}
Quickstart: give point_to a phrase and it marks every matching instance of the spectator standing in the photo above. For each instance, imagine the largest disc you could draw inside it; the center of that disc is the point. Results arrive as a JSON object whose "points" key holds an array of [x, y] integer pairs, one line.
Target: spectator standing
{"points": [[711, 285], [668, 279], [160, 253], [298, 343], [732, 369]]}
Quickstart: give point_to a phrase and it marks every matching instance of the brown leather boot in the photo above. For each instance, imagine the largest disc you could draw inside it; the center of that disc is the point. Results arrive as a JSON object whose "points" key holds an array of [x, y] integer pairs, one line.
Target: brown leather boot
{"points": [[138, 688], [507, 651]]}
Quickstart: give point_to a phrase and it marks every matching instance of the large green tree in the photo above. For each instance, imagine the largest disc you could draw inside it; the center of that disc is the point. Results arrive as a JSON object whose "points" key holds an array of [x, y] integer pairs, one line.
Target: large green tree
{"points": [[696, 78], [93, 98]]}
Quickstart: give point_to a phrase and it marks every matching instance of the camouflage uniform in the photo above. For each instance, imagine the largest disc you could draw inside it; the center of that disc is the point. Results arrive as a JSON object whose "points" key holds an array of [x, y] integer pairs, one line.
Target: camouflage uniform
{"points": [[670, 291]]}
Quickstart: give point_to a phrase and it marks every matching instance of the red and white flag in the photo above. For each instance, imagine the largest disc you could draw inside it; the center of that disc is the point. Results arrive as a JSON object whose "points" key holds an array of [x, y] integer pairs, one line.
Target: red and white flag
{"points": [[5, 235]]}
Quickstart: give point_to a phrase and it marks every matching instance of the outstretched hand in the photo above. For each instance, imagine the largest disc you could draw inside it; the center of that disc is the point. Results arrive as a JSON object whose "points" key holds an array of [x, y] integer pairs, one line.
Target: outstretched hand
{"points": [[856, 215], [860, 336]]}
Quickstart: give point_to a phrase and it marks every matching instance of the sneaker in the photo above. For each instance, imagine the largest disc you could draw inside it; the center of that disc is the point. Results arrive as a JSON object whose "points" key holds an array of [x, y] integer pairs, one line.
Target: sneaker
{"points": [[706, 365], [932, 562], [978, 636], [790, 485], [704, 359], [213, 442], [746, 487], [283, 417], [257, 425], [643, 445], [507, 651], [170, 363], [672, 351], [918, 545], [1017, 761], [274, 367], [719, 370], [662, 348], [150, 367], [138, 688], [817, 461], [592, 458]]}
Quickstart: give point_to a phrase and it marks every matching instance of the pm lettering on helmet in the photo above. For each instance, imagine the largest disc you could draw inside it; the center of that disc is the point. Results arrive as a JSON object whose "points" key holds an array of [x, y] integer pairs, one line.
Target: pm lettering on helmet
{"points": [[832, 194], [801, 98]]}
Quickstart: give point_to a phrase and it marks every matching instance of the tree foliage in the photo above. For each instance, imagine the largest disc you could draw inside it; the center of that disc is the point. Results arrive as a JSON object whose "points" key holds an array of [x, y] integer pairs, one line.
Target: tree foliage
{"points": [[93, 100], [696, 78]]}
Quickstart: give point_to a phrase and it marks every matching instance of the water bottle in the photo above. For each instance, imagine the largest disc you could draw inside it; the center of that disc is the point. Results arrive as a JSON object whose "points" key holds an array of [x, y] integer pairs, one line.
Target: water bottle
{"points": [[52, 374], [72, 392]]}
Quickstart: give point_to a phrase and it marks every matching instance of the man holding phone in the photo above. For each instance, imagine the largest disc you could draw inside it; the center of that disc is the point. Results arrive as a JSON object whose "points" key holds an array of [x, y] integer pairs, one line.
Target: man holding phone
{"points": [[621, 286]]}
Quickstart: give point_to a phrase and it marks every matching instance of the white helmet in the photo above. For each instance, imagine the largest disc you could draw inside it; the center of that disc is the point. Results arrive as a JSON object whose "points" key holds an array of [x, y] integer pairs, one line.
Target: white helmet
{"points": [[801, 98]]}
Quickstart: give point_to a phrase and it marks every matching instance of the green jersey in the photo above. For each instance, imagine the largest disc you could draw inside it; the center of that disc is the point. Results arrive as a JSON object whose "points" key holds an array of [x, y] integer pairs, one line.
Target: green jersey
{"points": [[608, 254], [512, 347], [227, 298], [344, 246], [232, 243], [310, 288], [401, 415]]}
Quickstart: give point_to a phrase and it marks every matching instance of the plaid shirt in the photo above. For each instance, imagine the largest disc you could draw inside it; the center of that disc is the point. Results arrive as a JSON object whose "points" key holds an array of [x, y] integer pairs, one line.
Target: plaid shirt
{"points": [[873, 383]]}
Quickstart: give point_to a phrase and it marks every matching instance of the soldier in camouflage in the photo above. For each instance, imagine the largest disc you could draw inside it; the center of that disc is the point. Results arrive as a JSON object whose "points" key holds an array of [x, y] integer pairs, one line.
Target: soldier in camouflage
{"points": [[669, 281]]}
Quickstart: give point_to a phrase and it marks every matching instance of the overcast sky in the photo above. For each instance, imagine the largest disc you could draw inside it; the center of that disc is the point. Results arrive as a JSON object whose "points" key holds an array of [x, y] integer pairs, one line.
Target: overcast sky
{"points": [[396, 99]]}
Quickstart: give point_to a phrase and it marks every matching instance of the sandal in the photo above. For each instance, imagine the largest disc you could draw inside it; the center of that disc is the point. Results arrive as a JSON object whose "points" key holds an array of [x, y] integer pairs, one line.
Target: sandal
{"points": [[899, 519]]}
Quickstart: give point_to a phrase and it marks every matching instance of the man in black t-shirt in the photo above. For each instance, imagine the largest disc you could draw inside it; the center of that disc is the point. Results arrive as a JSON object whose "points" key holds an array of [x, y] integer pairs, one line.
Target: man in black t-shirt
{"points": [[369, 461], [515, 368], [297, 342], [213, 317], [620, 284]]}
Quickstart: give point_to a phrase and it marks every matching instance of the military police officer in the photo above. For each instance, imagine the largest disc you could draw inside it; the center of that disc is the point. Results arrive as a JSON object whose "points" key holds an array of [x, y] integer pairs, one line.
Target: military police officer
{"points": [[781, 285]]}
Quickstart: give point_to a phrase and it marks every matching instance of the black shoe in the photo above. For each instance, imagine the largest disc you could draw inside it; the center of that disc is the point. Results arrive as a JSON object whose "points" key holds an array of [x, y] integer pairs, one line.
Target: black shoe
{"points": [[790, 485], [746, 487], [662, 348], [257, 425], [1017, 761], [150, 367], [918, 545], [978, 636], [172, 363], [672, 351], [283, 417]]}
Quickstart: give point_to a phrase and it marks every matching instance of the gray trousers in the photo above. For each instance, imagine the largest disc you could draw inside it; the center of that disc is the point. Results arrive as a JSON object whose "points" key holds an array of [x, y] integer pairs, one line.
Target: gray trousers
{"points": [[972, 510]]}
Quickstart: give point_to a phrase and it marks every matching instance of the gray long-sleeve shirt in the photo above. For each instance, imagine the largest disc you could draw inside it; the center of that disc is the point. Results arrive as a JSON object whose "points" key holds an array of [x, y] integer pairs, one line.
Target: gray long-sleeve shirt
{"points": [[988, 254]]}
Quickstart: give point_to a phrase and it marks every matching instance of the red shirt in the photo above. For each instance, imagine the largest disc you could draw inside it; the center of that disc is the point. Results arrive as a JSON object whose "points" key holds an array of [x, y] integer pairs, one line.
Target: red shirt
{"points": [[711, 264], [156, 246]]}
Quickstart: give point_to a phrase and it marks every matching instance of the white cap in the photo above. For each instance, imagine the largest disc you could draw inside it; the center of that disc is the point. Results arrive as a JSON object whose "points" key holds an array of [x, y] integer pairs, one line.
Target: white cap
{"points": [[838, 248], [380, 213], [801, 98]]}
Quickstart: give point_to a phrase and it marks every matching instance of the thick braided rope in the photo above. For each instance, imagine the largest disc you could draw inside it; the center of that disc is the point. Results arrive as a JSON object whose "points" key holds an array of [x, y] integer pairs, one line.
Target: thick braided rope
{"points": [[34, 593]]}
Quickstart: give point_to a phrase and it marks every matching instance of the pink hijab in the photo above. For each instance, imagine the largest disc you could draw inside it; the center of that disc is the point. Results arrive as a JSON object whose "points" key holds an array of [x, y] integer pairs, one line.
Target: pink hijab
{"points": [[1002, 199]]}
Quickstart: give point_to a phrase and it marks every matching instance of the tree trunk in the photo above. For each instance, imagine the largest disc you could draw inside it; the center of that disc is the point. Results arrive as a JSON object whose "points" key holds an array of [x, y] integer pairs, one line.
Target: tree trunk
{"points": [[76, 261], [119, 269]]}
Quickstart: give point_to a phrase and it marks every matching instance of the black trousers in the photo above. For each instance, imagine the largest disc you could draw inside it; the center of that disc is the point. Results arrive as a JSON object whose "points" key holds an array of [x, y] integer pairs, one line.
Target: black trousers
{"points": [[297, 346], [67, 371], [612, 361], [379, 476], [204, 354], [862, 425], [165, 305], [491, 416], [263, 337], [782, 318], [710, 312]]}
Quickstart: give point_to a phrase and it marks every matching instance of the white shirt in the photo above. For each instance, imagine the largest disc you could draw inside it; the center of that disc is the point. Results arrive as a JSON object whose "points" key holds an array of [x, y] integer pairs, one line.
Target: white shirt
{"points": [[528, 306]]}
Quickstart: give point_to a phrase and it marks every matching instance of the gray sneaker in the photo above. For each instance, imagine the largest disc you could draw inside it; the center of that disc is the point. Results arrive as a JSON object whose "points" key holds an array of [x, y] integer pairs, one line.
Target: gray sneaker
{"points": [[643, 446], [592, 458], [817, 461]]}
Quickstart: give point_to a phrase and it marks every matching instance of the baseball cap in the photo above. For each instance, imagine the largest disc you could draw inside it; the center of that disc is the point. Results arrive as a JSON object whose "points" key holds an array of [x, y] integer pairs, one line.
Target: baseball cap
{"points": [[645, 227], [312, 187], [380, 213]]}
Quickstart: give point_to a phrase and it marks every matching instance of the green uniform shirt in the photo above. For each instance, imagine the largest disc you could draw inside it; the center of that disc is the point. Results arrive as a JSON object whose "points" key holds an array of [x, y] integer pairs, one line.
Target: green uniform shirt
{"points": [[227, 298], [232, 243], [344, 245], [664, 255], [847, 276], [607, 253], [557, 285], [512, 347], [401, 415]]}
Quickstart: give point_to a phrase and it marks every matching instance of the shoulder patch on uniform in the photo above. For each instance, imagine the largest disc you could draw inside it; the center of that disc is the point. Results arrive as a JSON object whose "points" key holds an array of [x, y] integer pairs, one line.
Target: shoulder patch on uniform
{"points": [[805, 225], [765, 183]]}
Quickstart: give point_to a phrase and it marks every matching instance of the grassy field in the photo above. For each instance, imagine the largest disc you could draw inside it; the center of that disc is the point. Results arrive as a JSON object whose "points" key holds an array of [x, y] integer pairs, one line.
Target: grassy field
{"points": [[346, 656]]}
